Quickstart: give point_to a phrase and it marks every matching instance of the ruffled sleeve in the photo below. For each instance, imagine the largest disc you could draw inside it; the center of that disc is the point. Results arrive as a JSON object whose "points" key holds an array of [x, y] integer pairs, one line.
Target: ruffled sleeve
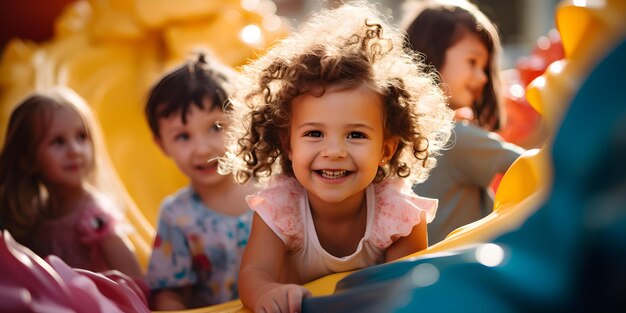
{"points": [[398, 211], [279, 205], [95, 224]]}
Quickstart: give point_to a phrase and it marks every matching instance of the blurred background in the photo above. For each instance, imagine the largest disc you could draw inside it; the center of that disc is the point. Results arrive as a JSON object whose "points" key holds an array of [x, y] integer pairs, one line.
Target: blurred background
{"points": [[520, 22]]}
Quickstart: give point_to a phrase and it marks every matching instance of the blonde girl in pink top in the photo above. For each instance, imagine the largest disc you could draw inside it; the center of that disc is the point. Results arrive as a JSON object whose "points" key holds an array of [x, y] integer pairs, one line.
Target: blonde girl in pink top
{"points": [[56, 196], [337, 121]]}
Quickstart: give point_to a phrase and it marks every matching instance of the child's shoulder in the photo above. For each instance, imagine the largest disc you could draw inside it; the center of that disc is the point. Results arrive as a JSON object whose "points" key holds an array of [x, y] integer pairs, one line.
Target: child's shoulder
{"points": [[469, 136], [397, 210], [98, 218], [468, 129], [182, 199], [281, 193], [99, 203], [186, 201], [180, 196], [280, 205], [396, 194]]}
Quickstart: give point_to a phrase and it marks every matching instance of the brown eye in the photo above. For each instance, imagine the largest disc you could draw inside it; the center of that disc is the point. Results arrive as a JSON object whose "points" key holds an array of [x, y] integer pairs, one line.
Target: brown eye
{"points": [[82, 136], [313, 133], [356, 135], [58, 141]]}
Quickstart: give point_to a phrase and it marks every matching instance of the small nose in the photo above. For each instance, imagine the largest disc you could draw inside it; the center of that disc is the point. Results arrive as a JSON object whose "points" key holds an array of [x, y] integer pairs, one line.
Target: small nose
{"points": [[481, 76], [74, 147], [334, 148]]}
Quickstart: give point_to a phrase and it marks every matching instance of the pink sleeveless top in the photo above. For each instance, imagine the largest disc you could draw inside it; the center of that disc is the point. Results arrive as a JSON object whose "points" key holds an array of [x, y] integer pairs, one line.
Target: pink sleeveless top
{"points": [[76, 237], [392, 212]]}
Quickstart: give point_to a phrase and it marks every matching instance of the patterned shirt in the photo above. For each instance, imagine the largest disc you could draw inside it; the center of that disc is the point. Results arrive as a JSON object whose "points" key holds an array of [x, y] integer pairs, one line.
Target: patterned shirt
{"points": [[198, 247]]}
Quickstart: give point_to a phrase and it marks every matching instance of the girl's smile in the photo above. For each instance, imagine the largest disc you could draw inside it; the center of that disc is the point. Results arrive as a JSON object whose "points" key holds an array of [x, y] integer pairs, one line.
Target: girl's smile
{"points": [[333, 174]]}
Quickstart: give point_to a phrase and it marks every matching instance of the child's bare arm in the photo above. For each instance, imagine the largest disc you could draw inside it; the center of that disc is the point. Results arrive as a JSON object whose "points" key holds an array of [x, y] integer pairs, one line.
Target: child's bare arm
{"points": [[119, 255], [417, 240], [262, 266]]}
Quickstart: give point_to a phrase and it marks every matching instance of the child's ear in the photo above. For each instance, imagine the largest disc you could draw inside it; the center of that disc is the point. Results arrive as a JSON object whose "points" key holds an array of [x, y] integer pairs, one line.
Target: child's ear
{"points": [[159, 142], [390, 145]]}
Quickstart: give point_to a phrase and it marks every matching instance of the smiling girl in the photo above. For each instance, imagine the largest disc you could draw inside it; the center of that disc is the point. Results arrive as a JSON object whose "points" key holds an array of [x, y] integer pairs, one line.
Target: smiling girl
{"points": [[462, 44], [343, 122]]}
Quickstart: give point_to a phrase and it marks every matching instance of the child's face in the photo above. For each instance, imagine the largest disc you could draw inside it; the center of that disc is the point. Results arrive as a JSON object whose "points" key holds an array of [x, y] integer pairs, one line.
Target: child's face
{"points": [[337, 143], [191, 145], [65, 156], [463, 71]]}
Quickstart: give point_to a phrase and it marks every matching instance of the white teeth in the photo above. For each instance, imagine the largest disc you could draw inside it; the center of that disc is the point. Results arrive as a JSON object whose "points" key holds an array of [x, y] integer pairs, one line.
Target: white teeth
{"points": [[333, 174]]}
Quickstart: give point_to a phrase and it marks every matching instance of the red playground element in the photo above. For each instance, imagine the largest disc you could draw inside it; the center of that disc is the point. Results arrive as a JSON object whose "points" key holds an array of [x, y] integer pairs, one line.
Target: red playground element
{"points": [[523, 126]]}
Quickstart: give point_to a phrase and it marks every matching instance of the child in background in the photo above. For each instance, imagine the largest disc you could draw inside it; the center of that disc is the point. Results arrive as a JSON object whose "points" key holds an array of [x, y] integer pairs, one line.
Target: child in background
{"points": [[54, 194], [342, 121], [202, 228], [462, 44]]}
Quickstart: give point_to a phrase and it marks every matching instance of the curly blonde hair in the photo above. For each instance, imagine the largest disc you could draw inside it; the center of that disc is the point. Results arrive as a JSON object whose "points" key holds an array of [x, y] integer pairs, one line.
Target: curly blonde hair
{"points": [[349, 47]]}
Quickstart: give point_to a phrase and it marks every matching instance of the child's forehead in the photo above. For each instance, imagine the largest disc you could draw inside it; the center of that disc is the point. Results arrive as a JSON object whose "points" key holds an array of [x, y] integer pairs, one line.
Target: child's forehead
{"points": [[59, 120], [338, 104], [67, 114], [351, 85], [60, 114]]}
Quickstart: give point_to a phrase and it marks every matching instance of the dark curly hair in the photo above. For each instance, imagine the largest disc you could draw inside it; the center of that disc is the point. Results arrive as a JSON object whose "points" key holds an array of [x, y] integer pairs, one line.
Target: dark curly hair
{"points": [[347, 47]]}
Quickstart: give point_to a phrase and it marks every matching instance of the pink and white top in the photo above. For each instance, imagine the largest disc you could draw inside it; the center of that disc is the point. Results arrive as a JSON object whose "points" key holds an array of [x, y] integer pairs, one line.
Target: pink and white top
{"points": [[392, 211], [76, 238]]}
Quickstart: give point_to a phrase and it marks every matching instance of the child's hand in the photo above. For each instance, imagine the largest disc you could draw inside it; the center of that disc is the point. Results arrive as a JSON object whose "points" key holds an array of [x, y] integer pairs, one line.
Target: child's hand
{"points": [[282, 299]]}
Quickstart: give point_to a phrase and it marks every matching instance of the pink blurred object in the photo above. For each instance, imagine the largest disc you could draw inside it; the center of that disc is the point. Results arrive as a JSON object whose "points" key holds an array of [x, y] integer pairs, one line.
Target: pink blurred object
{"points": [[30, 284]]}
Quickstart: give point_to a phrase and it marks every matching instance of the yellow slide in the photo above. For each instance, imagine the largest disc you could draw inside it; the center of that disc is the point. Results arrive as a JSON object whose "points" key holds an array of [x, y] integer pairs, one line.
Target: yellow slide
{"points": [[110, 52]]}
